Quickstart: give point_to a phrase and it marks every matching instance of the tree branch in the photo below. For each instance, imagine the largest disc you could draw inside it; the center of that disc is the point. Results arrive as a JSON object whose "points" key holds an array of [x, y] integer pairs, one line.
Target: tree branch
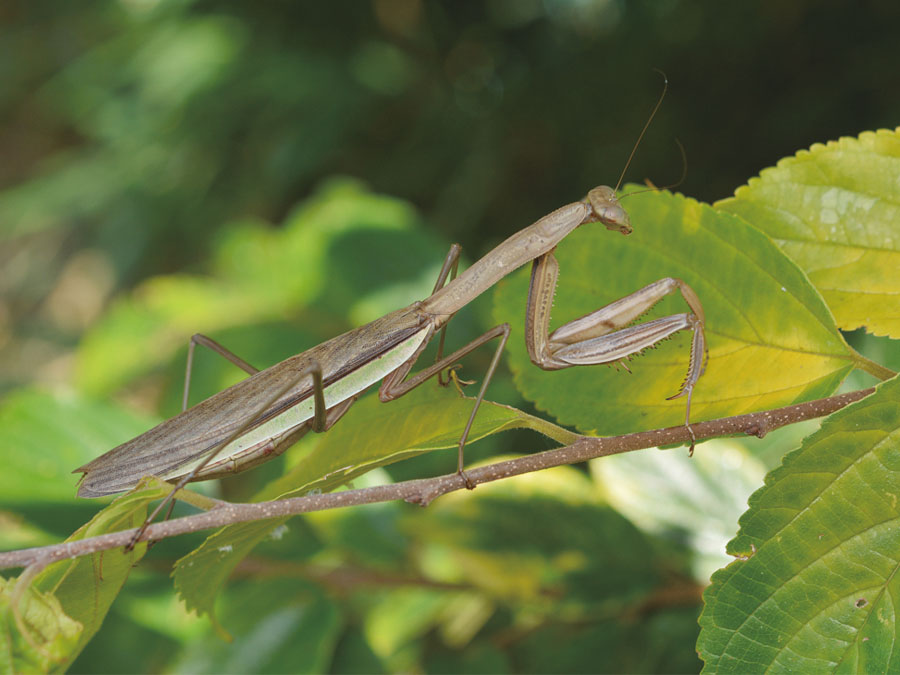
{"points": [[424, 491]]}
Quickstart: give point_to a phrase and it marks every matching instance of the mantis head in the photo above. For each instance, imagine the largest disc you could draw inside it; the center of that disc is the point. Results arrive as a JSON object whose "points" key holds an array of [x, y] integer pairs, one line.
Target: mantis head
{"points": [[606, 209]]}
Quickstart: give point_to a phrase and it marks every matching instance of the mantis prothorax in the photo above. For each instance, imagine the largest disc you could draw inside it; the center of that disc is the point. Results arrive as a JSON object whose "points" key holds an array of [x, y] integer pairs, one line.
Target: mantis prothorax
{"points": [[261, 416]]}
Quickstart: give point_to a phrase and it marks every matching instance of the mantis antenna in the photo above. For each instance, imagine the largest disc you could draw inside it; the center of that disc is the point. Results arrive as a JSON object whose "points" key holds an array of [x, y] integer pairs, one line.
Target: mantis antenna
{"points": [[678, 182], [644, 130]]}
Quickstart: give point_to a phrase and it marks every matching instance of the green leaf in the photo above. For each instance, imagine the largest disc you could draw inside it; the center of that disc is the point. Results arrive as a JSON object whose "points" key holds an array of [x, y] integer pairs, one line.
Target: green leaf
{"points": [[50, 635], [484, 656], [661, 641], [396, 620], [44, 436], [373, 434], [369, 533], [16, 532], [278, 624], [834, 210], [771, 339], [817, 588], [354, 655], [87, 586], [201, 574]]}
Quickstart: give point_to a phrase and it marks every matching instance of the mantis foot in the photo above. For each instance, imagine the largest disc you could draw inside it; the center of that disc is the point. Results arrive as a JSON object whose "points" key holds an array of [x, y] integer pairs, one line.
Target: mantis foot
{"points": [[129, 547], [693, 440]]}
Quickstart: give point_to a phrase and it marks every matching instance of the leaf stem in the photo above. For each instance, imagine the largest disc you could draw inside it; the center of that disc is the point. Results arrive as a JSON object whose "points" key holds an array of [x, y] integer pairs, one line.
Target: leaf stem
{"points": [[873, 368]]}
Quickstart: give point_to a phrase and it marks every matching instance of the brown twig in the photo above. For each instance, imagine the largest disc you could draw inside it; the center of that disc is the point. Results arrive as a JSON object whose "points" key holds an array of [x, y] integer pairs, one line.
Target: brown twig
{"points": [[424, 491]]}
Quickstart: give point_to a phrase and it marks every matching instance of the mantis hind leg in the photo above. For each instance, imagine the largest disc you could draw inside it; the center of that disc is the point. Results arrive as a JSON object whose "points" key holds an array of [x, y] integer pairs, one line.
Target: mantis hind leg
{"points": [[196, 339], [320, 422]]}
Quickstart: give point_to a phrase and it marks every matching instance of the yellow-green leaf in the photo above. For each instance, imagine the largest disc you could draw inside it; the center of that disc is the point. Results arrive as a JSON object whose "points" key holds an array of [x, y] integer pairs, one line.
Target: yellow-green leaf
{"points": [[36, 635], [87, 586], [835, 210], [427, 418]]}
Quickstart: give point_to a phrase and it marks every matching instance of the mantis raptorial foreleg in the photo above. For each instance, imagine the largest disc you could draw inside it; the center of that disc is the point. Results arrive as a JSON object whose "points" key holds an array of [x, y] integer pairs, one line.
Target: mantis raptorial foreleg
{"points": [[604, 335]]}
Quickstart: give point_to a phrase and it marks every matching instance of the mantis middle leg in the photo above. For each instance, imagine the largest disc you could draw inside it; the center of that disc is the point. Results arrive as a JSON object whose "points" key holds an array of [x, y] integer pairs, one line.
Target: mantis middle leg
{"points": [[396, 385], [322, 421]]}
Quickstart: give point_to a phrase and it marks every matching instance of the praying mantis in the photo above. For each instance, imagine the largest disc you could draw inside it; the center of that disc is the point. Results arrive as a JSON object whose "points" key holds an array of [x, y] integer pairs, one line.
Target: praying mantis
{"points": [[246, 425], [261, 416]]}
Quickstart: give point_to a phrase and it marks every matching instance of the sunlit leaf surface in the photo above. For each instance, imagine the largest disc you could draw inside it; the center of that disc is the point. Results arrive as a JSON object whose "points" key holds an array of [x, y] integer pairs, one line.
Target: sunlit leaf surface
{"points": [[86, 587], [44, 436], [835, 210], [696, 499]]}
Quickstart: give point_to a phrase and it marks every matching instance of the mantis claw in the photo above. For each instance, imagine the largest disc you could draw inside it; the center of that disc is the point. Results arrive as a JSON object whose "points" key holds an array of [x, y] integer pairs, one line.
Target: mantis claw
{"points": [[683, 391], [688, 390], [129, 547]]}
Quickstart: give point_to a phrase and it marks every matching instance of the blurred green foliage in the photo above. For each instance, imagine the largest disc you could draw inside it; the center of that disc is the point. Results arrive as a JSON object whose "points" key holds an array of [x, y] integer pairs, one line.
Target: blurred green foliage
{"points": [[196, 144]]}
